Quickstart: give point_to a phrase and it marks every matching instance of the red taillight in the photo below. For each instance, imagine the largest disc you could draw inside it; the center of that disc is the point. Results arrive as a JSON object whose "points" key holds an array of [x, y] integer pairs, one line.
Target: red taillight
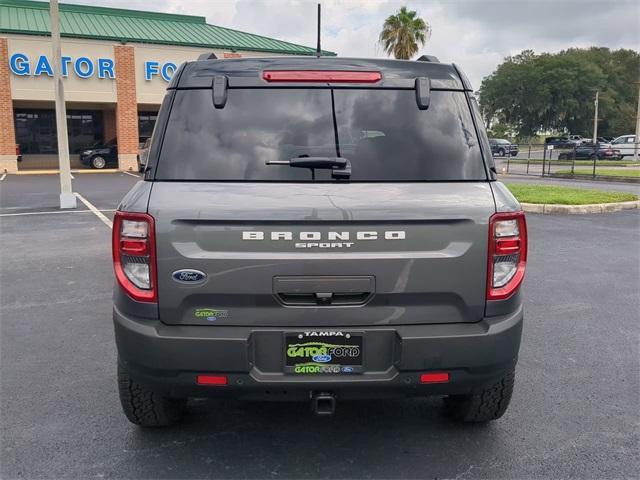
{"points": [[507, 254], [134, 255], [434, 377], [218, 380], [17, 149], [321, 76]]}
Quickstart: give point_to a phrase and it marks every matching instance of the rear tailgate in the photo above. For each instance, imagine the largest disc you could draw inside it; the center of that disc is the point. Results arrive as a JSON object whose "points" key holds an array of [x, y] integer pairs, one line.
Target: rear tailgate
{"points": [[300, 254]]}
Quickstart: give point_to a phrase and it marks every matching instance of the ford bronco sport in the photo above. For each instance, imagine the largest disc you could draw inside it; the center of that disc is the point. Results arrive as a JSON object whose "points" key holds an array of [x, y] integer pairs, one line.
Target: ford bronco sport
{"points": [[318, 229]]}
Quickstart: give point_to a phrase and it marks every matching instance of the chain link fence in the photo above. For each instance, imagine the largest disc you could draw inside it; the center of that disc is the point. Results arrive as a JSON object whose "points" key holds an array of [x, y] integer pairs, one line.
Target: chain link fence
{"points": [[575, 161]]}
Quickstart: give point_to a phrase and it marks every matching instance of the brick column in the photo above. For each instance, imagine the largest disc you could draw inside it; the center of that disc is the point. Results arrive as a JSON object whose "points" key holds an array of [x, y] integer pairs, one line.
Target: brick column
{"points": [[8, 157], [109, 124], [127, 108]]}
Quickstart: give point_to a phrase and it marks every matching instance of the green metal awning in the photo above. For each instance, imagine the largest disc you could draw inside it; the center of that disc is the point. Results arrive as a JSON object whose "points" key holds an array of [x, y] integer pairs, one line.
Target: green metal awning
{"points": [[29, 17]]}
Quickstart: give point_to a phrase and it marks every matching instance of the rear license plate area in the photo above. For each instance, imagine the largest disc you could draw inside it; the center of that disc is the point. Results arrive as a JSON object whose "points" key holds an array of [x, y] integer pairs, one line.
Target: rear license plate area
{"points": [[322, 353]]}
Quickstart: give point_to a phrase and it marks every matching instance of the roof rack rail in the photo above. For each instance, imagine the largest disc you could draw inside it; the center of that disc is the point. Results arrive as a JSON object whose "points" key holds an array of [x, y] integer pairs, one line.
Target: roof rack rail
{"points": [[207, 56], [428, 58]]}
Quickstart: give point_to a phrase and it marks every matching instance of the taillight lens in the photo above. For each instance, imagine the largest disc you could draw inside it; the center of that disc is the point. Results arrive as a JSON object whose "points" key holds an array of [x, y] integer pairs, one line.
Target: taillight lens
{"points": [[134, 255], [507, 254]]}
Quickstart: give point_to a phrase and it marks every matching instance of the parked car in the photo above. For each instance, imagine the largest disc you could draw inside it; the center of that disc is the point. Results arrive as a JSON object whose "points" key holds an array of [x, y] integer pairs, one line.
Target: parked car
{"points": [[248, 267], [503, 147], [625, 145], [560, 142], [101, 155], [591, 152], [143, 155], [578, 139]]}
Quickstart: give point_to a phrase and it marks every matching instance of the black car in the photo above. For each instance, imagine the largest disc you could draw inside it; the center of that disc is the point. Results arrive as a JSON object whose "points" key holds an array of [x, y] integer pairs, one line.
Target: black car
{"points": [[502, 147], [100, 155], [560, 142], [590, 151]]}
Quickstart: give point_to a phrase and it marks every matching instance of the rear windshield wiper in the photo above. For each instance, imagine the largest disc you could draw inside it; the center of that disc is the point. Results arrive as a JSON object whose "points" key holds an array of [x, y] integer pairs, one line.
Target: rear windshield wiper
{"points": [[340, 166]]}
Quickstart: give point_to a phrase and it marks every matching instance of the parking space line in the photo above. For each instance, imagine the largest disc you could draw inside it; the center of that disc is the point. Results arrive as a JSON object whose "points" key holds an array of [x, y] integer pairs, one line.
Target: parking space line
{"points": [[72, 177], [97, 212], [4, 175], [132, 174], [56, 212]]}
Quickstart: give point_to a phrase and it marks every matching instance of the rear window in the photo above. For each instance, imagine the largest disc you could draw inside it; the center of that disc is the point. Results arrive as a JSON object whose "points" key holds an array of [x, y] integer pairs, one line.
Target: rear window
{"points": [[381, 132]]}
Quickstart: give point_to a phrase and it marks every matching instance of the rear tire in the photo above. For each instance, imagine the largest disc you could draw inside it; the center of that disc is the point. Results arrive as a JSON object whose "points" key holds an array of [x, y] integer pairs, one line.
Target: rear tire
{"points": [[145, 407], [488, 404], [501, 152]]}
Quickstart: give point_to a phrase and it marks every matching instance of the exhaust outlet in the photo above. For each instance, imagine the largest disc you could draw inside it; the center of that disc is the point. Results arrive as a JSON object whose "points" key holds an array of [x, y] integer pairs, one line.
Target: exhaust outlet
{"points": [[323, 403]]}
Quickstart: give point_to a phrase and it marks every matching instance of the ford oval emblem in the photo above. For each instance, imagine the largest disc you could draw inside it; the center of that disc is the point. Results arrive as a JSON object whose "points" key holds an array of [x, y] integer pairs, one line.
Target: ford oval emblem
{"points": [[321, 358], [189, 276]]}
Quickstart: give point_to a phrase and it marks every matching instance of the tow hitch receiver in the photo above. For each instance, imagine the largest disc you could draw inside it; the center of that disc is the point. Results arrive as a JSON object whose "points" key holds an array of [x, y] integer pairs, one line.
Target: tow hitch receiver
{"points": [[323, 403]]}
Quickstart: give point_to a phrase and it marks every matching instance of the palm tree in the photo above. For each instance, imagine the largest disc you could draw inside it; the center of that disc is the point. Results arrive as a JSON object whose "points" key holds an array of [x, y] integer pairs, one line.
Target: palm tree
{"points": [[403, 33]]}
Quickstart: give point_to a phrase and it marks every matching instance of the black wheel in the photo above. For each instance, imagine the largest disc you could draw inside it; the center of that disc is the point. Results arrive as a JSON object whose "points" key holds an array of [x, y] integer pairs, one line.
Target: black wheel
{"points": [[501, 152], [488, 404], [593, 156], [145, 407], [98, 162], [563, 156]]}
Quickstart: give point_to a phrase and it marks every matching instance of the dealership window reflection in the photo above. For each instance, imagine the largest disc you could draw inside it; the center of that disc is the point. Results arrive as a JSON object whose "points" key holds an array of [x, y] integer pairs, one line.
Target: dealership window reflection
{"points": [[36, 130]]}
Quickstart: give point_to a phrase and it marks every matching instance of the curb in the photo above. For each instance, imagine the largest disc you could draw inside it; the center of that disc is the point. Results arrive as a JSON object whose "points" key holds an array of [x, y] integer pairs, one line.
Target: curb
{"points": [[74, 170], [549, 209]]}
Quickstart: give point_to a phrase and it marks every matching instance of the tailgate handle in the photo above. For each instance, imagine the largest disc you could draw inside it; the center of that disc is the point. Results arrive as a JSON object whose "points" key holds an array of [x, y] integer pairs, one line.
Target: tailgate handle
{"points": [[324, 290]]}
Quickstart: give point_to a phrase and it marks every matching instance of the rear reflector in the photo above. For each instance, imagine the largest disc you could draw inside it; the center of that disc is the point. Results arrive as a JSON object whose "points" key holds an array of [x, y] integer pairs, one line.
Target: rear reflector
{"points": [[434, 377], [211, 380], [321, 76]]}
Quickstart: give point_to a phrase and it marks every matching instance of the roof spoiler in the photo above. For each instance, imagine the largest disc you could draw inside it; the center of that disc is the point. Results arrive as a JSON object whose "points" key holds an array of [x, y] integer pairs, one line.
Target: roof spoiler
{"points": [[207, 56], [428, 58]]}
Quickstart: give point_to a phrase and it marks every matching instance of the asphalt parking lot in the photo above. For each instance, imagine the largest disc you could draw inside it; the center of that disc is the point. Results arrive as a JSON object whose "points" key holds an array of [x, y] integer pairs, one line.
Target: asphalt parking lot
{"points": [[575, 411]]}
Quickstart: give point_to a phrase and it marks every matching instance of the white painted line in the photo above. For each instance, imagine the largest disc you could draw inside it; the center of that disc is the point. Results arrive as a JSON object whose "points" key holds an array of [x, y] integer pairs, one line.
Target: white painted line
{"points": [[4, 175], [55, 212], [97, 212], [132, 174], [72, 177]]}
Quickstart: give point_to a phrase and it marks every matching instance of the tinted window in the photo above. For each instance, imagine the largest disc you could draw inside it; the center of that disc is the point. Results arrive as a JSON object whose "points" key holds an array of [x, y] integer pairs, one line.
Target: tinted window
{"points": [[382, 133]]}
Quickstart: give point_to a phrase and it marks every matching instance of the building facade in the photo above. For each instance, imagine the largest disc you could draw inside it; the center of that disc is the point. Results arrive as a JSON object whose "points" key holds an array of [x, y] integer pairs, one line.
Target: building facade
{"points": [[116, 65]]}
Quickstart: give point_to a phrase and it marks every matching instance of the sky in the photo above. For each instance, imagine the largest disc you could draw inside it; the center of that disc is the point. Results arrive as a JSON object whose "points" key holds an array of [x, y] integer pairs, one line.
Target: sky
{"points": [[475, 34]]}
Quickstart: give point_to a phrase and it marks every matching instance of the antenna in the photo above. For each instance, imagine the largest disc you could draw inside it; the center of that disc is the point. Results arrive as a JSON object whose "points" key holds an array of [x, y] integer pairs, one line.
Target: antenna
{"points": [[318, 50]]}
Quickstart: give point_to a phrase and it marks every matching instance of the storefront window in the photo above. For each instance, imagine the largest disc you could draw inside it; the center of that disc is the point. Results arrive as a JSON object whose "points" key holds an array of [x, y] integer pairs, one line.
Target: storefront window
{"points": [[36, 130], [146, 122]]}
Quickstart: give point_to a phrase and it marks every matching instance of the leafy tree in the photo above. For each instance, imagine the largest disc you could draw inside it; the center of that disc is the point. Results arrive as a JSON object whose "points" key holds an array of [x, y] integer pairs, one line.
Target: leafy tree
{"points": [[554, 92], [403, 33]]}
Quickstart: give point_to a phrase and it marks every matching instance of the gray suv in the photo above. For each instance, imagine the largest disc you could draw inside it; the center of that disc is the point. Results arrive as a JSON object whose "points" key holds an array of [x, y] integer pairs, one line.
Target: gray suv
{"points": [[318, 229]]}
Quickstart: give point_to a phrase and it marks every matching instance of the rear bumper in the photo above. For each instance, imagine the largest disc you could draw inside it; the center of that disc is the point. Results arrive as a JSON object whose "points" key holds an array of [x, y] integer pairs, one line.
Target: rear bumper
{"points": [[168, 358]]}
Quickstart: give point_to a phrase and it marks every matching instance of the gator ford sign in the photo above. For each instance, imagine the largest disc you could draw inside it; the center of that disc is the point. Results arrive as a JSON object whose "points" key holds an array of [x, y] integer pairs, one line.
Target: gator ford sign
{"points": [[83, 67]]}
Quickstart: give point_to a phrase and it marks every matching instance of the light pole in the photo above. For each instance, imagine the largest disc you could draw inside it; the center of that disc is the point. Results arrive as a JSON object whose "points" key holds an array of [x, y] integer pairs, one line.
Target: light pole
{"points": [[595, 118], [67, 198], [637, 139]]}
